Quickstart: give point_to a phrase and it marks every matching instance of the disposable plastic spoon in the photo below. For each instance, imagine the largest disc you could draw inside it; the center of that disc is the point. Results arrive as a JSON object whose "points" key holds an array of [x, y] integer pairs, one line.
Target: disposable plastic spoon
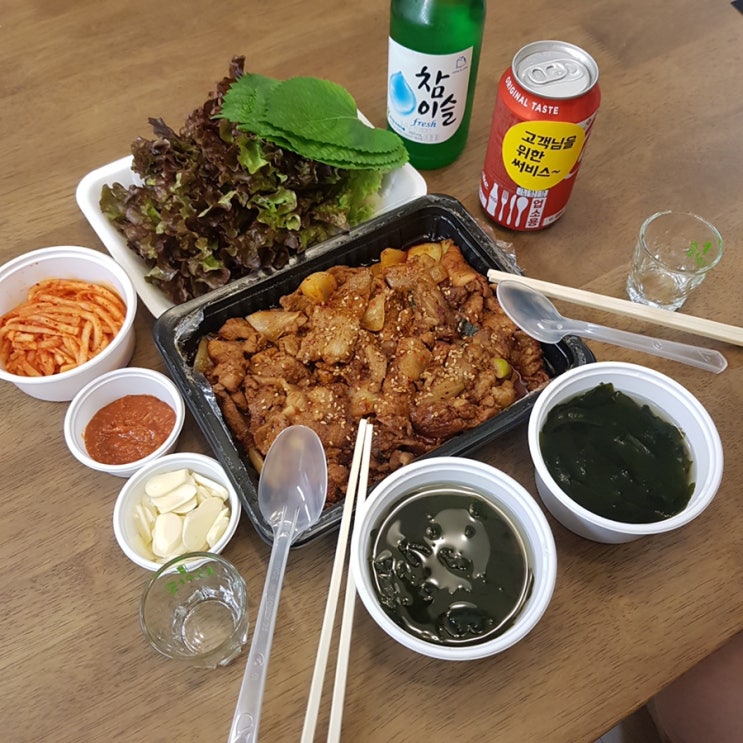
{"points": [[538, 317], [291, 495]]}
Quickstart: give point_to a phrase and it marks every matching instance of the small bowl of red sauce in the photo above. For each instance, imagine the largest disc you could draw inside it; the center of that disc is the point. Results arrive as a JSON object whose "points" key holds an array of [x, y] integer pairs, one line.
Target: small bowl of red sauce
{"points": [[123, 420]]}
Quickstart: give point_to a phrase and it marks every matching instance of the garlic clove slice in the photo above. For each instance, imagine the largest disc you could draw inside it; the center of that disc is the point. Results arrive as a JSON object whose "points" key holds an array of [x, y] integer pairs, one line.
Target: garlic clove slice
{"points": [[175, 498], [166, 534], [196, 523], [159, 485]]}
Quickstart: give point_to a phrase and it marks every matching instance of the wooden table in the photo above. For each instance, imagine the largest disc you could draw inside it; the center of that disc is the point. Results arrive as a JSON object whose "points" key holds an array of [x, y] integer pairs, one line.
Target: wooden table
{"points": [[78, 81]]}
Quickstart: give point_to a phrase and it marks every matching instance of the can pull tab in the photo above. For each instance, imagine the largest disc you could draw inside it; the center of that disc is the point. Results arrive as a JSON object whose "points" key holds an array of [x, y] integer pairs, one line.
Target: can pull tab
{"points": [[554, 71]]}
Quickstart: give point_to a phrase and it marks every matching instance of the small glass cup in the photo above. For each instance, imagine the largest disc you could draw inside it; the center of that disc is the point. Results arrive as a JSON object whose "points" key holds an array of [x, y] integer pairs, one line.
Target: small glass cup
{"points": [[195, 609], [674, 253]]}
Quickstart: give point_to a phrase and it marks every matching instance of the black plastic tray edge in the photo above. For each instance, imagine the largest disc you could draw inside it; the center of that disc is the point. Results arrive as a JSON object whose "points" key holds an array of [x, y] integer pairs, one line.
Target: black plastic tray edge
{"points": [[174, 328]]}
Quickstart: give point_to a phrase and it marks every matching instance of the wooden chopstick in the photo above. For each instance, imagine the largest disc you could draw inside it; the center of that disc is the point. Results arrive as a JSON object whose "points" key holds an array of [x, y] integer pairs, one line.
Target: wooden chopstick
{"points": [[677, 320], [344, 643], [321, 660]]}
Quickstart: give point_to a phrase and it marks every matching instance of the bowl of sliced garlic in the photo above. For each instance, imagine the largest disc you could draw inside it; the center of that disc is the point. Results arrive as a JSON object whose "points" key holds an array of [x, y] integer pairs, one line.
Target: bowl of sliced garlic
{"points": [[179, 503]]}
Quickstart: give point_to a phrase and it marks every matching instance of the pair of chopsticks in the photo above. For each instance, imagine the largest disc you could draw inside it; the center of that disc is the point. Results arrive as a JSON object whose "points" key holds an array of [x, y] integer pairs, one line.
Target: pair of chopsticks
{"points": [[677, 320], [356, 491]]}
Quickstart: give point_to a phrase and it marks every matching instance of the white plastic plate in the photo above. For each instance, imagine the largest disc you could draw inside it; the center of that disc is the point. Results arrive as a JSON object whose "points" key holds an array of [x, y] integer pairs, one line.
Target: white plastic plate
{"points": [[398, 187]]}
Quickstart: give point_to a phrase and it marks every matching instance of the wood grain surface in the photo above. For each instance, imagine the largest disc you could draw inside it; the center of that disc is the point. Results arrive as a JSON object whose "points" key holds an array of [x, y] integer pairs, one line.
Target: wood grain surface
{"points": [[78, 81]]}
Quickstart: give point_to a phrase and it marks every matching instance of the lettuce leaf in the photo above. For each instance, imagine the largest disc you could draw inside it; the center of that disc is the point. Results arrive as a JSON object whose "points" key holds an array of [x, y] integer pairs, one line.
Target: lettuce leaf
{"points": [[218, 202]]}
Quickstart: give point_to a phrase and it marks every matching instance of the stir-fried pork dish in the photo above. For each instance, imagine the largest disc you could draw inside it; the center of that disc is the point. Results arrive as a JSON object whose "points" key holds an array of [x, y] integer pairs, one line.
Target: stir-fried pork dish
{"points": [[416, 343]]}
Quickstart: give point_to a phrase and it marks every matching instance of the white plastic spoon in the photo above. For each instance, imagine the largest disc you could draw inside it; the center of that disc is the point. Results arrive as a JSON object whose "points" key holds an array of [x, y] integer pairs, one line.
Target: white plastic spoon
{"points": [[291, 495], [538, 317]]}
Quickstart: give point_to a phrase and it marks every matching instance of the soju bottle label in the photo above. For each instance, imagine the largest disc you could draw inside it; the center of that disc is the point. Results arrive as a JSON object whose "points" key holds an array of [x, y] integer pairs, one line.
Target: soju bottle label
{"points": [[426, 93]]}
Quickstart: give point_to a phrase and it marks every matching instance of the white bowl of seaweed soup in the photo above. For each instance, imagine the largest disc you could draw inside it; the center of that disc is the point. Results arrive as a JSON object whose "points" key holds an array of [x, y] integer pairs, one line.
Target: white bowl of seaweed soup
{"points": [[665, 398], [449, 566], [453, 558]]}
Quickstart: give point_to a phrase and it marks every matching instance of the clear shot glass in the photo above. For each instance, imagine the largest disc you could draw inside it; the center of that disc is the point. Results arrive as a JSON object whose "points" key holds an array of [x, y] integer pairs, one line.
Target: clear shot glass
{"points": [[195, 609], [674, 253]]}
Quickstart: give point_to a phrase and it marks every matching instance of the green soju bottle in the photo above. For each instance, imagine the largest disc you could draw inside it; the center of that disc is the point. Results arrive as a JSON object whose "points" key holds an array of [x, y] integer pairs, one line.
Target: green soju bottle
{"points": [[434, 51]]}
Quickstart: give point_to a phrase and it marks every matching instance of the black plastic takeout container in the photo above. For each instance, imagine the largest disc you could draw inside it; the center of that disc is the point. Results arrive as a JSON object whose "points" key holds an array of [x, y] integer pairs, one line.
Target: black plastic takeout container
{"points": [[434, 217]]}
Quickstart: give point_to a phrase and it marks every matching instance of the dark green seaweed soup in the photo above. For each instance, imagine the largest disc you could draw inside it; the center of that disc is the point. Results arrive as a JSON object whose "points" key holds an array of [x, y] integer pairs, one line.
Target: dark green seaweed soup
{"points": [[617, 458], [449, 567]]}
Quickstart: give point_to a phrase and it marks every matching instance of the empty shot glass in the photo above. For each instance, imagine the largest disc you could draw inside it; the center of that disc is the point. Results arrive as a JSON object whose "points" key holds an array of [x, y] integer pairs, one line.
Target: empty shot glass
{"points": [[195, 609], [674, 253]]}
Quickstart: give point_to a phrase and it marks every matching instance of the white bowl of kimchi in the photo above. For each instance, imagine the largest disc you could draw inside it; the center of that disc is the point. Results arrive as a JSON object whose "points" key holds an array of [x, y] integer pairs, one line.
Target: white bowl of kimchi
{"points": [[66, 317]]}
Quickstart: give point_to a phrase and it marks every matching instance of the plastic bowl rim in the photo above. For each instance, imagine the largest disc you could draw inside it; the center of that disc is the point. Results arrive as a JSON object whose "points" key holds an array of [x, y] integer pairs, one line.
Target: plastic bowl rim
{"points": [[545, 551], [711, 437], [130, 299], [77, 450], [175, 459]]}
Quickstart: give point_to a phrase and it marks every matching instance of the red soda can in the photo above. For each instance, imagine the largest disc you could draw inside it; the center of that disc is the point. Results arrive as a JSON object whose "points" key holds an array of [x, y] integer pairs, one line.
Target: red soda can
{"points": [[544, 112]]}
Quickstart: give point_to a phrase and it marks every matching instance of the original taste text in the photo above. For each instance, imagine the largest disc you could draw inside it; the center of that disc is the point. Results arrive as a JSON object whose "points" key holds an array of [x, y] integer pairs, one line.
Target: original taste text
{"points": [[531, 104]]}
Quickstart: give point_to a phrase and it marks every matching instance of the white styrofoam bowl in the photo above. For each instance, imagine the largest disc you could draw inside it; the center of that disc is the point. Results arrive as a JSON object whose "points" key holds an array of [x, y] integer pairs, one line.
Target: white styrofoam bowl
{"points": [[69, 262], [666, 398], [506, 494], [125, 527], [112, 386]]}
